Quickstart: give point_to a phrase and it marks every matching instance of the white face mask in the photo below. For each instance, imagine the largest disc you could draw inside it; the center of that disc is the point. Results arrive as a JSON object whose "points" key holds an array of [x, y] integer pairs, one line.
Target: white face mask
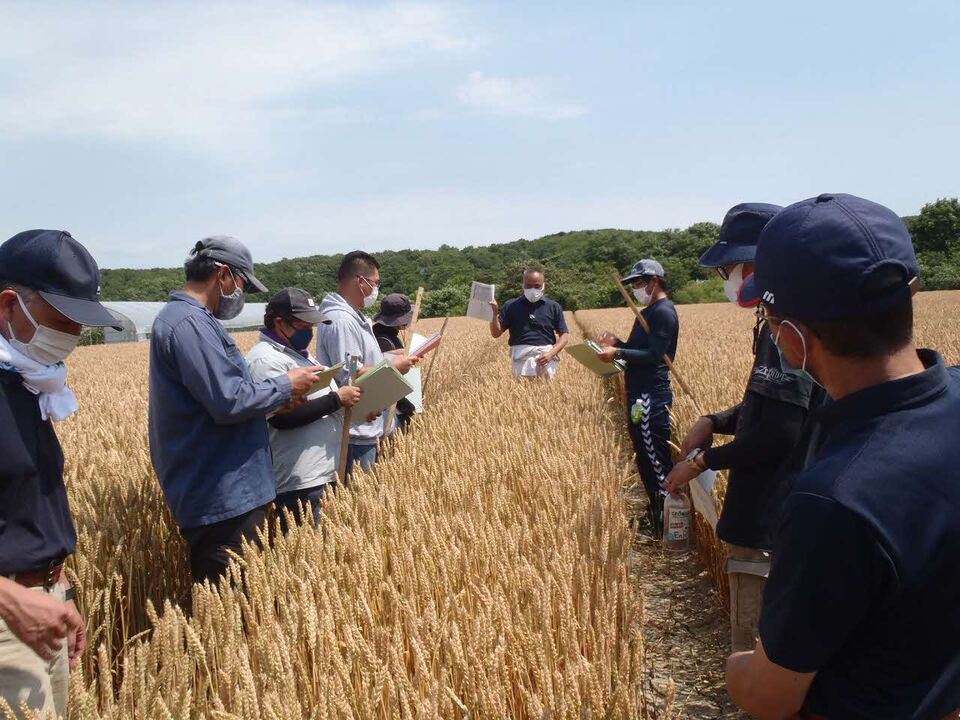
{"points": [[642, 296], [733, 283], [533, 294], [369, 300], [47, 346]]}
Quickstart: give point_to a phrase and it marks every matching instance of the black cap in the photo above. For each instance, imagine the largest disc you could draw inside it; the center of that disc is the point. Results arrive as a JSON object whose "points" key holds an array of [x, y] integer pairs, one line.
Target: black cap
{"points": [[395, 311], [739, 235], [818, 260], [233, 253], [61, 270], [294, 302]]}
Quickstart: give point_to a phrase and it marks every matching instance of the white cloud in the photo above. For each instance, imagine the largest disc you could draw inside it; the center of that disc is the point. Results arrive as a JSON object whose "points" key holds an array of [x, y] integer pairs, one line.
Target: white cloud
{"points": [[203, 74], [514, 96]]}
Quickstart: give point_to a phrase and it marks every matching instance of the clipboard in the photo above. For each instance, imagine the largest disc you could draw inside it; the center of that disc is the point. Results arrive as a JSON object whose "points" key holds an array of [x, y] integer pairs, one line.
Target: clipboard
{"points": [[585, 353], [382, 387], [324, 378]]}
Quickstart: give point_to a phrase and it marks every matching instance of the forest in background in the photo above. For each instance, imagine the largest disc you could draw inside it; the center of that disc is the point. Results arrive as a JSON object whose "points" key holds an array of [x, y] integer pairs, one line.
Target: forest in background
{"points": [[577, 266]]}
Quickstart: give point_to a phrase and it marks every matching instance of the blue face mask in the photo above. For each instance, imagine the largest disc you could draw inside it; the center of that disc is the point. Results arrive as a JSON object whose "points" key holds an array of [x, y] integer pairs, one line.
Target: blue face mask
{"points": [[300, 340]]}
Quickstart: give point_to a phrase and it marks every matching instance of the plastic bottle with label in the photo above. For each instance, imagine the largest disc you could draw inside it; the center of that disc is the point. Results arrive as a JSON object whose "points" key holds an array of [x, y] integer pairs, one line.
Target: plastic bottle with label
{"points": [[636, 412], [676, 523]]}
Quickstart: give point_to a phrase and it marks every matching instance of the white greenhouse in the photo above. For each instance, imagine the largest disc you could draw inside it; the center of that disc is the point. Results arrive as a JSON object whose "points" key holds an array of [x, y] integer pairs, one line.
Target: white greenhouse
{"points": [[137, 319]]}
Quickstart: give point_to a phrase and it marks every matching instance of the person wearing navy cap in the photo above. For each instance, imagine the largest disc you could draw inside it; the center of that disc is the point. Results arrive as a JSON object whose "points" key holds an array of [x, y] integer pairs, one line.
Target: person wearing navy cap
{"points": [[208, 436], [49, 289], [649, 393], [861, 613], [766, 425]]}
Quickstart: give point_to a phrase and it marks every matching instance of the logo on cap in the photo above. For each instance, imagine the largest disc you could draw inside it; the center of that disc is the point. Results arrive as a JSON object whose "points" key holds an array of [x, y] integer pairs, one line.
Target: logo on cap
{"points": [[310, 302], [768, 297]]}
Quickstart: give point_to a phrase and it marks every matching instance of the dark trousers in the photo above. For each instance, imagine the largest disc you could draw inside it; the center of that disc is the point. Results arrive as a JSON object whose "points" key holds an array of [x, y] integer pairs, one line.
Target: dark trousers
{"points": [[651, 445], [311, 498], [210, 545], [363, 455]]}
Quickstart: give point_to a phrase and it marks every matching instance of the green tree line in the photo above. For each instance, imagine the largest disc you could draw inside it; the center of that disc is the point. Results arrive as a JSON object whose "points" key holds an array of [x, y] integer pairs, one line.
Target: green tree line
{"points": [[577, 266]]}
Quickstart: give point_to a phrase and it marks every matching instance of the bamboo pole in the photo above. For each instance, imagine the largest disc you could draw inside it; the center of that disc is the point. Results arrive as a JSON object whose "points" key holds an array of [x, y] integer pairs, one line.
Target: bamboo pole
{"points": [[347, 419], [433, 360], [643, 323]]}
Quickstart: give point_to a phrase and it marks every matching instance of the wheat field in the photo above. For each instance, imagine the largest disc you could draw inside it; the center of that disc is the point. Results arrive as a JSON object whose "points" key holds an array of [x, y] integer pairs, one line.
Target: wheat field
{"points": [[481, 571]]}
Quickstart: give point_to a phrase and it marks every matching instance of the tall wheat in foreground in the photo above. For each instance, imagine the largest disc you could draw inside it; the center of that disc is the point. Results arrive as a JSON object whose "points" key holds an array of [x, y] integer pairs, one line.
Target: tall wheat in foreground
{"points": [[480, 572]]}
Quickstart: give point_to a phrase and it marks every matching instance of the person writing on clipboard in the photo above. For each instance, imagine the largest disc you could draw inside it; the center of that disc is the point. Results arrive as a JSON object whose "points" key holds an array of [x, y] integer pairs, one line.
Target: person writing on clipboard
{"points": [[350, 334], [305, 442], [649, 393]]}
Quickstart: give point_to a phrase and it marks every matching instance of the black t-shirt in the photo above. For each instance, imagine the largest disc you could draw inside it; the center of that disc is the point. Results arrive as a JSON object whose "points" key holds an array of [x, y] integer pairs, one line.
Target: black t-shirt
{"points": [[35, 524], [530, 323], [647, 372], [755, 491], [864, 587]]}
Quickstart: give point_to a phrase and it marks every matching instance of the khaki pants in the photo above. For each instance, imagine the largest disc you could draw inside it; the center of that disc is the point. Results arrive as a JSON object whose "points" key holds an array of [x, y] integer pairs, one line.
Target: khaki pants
{"points": [[27, 678], [747, 570]]}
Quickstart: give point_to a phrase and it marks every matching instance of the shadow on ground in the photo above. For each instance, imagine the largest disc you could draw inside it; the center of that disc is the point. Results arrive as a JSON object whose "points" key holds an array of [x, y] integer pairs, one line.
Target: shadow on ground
{"points": [[687, 633]]}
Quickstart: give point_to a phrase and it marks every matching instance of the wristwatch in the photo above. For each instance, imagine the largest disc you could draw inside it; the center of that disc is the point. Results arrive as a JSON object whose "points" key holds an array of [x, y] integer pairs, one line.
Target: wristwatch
{"points": [[69, 594], [693, 460]]}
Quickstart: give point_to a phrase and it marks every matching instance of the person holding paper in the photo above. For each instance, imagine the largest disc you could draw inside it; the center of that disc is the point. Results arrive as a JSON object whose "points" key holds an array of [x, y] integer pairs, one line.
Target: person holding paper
{"points": [[208, 438], [305, 442], [766, 427], [649, 393], [396, 312], [350, 333], [538, 330]]}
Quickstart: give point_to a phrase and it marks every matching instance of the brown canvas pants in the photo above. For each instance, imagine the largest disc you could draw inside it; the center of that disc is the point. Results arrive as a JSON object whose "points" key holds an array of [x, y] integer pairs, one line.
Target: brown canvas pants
{"points": [[747, 571]]}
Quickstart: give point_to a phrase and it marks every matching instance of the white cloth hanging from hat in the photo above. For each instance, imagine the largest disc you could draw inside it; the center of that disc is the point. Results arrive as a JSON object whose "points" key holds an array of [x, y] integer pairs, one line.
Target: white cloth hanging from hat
{"points": [[525, 357], [48, 382]]}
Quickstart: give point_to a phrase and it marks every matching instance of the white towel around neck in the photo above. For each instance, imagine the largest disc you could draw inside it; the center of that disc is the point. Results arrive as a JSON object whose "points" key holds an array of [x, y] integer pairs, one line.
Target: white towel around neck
{"points": [[48, 382]]}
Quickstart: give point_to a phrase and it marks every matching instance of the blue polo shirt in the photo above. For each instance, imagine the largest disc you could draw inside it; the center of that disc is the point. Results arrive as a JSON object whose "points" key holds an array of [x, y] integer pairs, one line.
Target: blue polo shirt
{"points": [[865, 583], [530, 323], [208, 430]]}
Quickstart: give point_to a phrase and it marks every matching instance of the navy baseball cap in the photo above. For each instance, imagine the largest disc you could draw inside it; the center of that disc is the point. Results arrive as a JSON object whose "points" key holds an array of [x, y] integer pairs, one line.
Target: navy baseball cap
{"points": [[61, 270], [818, 259], [644, 268], [233, 253], [739, 234]]}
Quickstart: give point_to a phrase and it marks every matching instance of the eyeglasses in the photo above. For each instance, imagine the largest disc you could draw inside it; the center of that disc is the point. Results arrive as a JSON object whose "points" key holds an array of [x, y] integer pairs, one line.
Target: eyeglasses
{"points": [[367, 281], [724, 271]]}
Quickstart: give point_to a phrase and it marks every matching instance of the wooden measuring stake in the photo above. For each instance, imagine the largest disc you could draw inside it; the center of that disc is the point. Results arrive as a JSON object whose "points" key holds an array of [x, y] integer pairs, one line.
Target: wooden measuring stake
{"points": [[433, 360], [347, 419], [646, 327], [392, 414]]}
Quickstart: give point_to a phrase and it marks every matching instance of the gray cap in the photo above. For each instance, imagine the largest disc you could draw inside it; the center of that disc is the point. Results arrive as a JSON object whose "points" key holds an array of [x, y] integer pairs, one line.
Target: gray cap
{"points": [[294, 302], [231, 252], [644, 268]]}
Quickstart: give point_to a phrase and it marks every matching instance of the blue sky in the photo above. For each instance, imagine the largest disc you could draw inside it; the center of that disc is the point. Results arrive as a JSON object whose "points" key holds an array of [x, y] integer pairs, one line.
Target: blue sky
{"points": [[306, 127]]}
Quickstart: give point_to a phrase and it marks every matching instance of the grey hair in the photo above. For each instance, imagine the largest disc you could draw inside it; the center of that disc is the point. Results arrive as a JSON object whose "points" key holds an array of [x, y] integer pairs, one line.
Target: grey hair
{"points": [[532, 270]]}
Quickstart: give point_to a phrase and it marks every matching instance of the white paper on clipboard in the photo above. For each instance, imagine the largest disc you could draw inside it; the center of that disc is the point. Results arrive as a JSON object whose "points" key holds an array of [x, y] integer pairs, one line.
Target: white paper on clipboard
{"points": [[415, 378], [481, 295]]}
